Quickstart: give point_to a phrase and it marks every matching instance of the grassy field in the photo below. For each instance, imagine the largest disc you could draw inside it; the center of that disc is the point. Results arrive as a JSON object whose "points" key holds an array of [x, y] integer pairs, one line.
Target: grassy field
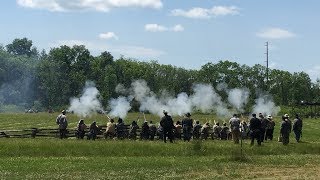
{"points": [[43, 158]]}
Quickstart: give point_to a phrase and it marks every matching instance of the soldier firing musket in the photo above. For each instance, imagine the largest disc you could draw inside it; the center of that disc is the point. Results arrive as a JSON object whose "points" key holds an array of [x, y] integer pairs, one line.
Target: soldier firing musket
{"points": [[145, 129]]}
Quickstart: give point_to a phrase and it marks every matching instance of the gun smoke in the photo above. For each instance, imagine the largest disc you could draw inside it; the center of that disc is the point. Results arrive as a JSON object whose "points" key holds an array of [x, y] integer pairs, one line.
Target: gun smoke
{"points": [[88, 103], [238, 98], [266, 106], [203, 99], [120, 107]]}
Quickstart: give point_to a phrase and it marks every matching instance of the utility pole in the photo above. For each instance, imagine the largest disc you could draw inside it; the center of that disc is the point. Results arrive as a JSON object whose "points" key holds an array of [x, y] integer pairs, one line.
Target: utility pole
{"points": [[267, 61]]}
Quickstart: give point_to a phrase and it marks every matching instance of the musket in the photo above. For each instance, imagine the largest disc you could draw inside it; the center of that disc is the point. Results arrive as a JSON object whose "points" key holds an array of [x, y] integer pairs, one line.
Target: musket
{"points": [[138, 118], [144, 116]]}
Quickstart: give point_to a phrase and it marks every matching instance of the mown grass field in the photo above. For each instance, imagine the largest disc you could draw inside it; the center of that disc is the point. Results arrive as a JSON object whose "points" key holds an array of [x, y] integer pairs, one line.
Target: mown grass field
{"points": [[50, 158]]}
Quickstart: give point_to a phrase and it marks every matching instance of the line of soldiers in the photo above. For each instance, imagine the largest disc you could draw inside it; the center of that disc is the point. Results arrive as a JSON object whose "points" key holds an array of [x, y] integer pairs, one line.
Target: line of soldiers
{"points": [[261, 129]]}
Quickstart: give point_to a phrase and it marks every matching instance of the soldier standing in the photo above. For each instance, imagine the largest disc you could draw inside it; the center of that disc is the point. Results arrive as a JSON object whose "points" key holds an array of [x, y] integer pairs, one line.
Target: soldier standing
{"points": [[270, 128], [285, 129], [187, 127], [63, 124], [297, 127], [167, 125], [255, 127], [264, 124], [235, 128]]}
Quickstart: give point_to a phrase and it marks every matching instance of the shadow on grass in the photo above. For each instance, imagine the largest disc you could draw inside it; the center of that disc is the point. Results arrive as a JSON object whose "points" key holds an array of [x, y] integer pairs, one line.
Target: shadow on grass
{"points": [[198, 148]]}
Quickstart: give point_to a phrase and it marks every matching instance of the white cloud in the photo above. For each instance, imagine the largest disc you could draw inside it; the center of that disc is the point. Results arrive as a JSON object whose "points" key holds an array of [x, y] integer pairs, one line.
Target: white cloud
{"points": [[275, 33], [155, 28], [202, 13], [108, 35], [160, 28], [97, 47], [178, 28], [83, 5], [314, 73]]}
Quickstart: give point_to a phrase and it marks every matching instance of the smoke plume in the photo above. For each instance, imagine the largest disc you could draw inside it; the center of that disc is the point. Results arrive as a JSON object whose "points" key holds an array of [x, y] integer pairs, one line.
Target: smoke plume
{"points": [[238, 98], [120, 89], [204, 99], [266, 106], [120, 107], [88, 103]]}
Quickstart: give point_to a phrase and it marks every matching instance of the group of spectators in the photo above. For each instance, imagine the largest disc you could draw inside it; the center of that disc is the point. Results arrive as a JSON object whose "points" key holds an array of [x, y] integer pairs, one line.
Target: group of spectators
{"points": [[258, 128]]}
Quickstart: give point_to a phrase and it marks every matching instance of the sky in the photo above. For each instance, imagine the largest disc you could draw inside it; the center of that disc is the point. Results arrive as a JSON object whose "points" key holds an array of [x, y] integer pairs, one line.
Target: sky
{"points": [[183, 33]]}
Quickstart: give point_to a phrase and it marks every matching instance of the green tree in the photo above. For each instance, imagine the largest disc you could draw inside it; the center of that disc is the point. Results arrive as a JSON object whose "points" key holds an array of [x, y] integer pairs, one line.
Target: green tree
{"points": [[22, 47]]}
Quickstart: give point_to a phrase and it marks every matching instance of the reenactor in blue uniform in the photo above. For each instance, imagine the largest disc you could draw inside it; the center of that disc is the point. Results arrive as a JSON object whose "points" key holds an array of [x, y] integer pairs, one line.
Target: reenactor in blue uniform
{"points": [[297, 127], [255, 128], [167, 125], [187, 125], [270, 128], [285, 129]]}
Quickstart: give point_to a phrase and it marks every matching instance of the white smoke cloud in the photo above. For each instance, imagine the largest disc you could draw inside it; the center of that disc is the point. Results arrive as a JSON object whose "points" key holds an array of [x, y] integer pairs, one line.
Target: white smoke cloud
{"points": [[238, 98], [120, 89], [140, 90], [204, 99], [120, 107], [179, 105], [266, 106], [153, 105], [88, 103], [222, 87]]}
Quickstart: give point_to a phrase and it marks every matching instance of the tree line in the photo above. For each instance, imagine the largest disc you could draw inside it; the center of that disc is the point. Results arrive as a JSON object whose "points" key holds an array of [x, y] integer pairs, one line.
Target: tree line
{"points": [[29, 78]]}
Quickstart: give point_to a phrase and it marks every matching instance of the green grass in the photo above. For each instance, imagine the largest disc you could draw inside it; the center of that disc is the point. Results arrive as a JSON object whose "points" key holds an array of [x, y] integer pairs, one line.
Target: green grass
{"points": [[43, 158]]}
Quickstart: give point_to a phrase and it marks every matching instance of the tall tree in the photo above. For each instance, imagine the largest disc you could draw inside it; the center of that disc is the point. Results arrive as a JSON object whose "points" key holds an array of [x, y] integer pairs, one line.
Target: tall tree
{"points": [[21, 47]]}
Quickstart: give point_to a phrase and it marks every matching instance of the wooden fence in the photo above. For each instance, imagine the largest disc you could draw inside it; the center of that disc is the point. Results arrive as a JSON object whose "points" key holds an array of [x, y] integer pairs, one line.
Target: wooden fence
{"points": [[54, 133]]}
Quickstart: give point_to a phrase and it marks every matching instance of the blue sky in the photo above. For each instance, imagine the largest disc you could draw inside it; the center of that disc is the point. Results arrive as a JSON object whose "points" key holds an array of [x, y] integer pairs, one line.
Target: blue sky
{"points": [[185, 33]]}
